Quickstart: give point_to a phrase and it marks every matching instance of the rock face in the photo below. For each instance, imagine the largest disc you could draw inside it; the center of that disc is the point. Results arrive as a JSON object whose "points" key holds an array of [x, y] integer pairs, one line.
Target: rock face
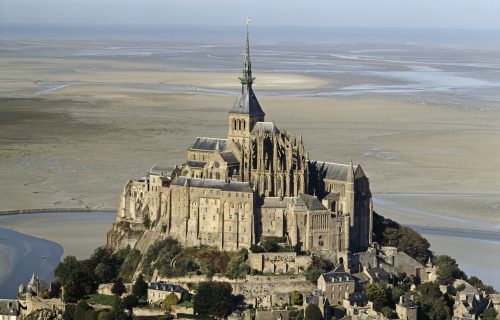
{"points": [[257, 183]]}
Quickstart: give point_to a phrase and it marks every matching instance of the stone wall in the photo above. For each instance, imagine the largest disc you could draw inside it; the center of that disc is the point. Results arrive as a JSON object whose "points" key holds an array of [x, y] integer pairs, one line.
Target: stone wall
{"points": [[280, 262]]}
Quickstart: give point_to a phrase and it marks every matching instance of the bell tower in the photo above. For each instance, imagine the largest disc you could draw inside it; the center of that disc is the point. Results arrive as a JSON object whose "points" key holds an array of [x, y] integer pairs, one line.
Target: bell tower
{"points": [[246, 110]]}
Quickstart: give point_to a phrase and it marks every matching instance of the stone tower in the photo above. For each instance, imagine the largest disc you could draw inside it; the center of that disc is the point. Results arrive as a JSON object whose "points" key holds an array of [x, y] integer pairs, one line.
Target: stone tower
{"points": [[246, 110]]}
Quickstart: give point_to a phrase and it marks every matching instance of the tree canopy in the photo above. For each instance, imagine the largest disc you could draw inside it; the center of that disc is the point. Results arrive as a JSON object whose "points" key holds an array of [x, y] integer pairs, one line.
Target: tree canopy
{"points": [[213, 298], [313, 312], [447, 270], [389, 233]]}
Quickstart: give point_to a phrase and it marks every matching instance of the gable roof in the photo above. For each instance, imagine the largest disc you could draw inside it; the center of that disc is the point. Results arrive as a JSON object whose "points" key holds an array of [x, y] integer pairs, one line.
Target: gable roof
{"points": [[329, 170], [229, 157], [209, 144], [312, 202]]}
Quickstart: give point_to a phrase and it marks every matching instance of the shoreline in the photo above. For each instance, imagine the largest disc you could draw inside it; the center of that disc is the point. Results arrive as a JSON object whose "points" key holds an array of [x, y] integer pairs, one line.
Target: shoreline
{"points": [[49, 210]]}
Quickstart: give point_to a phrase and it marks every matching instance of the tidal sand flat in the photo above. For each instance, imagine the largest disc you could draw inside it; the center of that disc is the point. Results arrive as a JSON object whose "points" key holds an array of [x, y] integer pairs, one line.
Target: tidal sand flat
{"points": [[79, 233], [84, 117]]}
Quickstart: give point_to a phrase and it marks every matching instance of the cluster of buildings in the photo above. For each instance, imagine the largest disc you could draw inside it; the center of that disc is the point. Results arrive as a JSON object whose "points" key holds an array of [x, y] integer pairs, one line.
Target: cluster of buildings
{"points": [[258, 182]]}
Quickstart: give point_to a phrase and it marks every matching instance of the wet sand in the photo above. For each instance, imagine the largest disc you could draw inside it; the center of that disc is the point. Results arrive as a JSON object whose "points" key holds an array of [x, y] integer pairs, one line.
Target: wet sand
{"points": [[78, 232]]}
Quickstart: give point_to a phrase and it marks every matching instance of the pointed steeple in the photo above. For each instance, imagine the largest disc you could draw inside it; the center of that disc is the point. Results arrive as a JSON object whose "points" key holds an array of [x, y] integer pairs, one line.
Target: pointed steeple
{"points": [[247, 64], [247, 103]]}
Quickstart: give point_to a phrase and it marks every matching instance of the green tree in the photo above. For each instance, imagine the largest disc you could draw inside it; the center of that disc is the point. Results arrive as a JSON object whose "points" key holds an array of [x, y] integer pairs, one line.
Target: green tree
{"points": [[318, 266], [130, 301], [447, 270], [72, 292], [270, 244], [140, 287], [313, 312], [213, 298], [105, 315], [118, 311], [118, 287], [476, 282], [296, 298], [388, 232], [69, 311], [170, 300], [237, 266], [432, 304], [377, 295], [82, 311], [490, 314]]}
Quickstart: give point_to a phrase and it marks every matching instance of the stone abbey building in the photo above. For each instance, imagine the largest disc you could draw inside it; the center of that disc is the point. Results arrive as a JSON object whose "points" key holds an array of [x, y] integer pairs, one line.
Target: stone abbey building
{"points": [[259, 182]]}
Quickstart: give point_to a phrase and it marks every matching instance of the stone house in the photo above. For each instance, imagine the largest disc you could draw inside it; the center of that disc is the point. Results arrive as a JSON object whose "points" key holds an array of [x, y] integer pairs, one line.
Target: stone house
{"points": [[336, 284], [406, 309], [9, 309], [158, 291]]}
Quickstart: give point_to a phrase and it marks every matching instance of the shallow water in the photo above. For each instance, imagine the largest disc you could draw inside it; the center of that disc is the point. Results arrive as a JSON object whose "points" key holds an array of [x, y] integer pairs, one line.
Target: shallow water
{"points": [[25, 255]]}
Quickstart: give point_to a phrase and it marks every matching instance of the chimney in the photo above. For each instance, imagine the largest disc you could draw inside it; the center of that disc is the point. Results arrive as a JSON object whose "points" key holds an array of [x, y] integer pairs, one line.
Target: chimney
{"points": [[401, 300]]}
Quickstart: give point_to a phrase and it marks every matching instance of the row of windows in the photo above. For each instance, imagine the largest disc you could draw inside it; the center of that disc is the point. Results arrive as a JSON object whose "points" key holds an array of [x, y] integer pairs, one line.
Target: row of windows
{"points": [[239, 124]]}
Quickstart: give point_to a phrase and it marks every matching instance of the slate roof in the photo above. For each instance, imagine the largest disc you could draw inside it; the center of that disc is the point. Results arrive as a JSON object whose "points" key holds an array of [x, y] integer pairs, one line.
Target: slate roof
{"points": [[209, 144], [337, 276], [163, 286], [266, 127], [196, 164], [9, 307], [247, 102], [275, 202], [213, 184], [378, 274], [332, 196], [229, 157], [159, 170], [408, 303], [312, 202], [328, 170]]}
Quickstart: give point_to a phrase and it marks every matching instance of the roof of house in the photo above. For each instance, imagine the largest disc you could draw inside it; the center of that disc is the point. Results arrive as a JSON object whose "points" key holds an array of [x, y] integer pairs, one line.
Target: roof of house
{"points": [[378, 274], [337, 276], [275, 202], [265, 127], [212, 184], [329, 170], [9, 307], [229, 157], [209, 144], [163, 286], [312, 202], [195, 164], [160, 170], [408, 303]]}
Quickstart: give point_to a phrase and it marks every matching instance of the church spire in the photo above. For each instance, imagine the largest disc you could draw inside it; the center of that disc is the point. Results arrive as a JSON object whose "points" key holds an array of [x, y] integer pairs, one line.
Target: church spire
{"points": [[247, 64]]}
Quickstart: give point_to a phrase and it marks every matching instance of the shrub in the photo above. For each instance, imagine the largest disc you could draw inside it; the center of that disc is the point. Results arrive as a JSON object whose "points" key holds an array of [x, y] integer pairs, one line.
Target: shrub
{"points": [[170, 300]]}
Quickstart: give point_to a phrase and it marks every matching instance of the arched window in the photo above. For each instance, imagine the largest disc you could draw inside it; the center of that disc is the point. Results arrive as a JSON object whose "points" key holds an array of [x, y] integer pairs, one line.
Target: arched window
{"points": [[244, 125], [234, 124], [239, 124]]}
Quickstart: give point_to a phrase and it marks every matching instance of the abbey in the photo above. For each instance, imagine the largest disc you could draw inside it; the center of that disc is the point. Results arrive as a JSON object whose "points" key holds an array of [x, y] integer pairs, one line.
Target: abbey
{"points": [[258, 182]]}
